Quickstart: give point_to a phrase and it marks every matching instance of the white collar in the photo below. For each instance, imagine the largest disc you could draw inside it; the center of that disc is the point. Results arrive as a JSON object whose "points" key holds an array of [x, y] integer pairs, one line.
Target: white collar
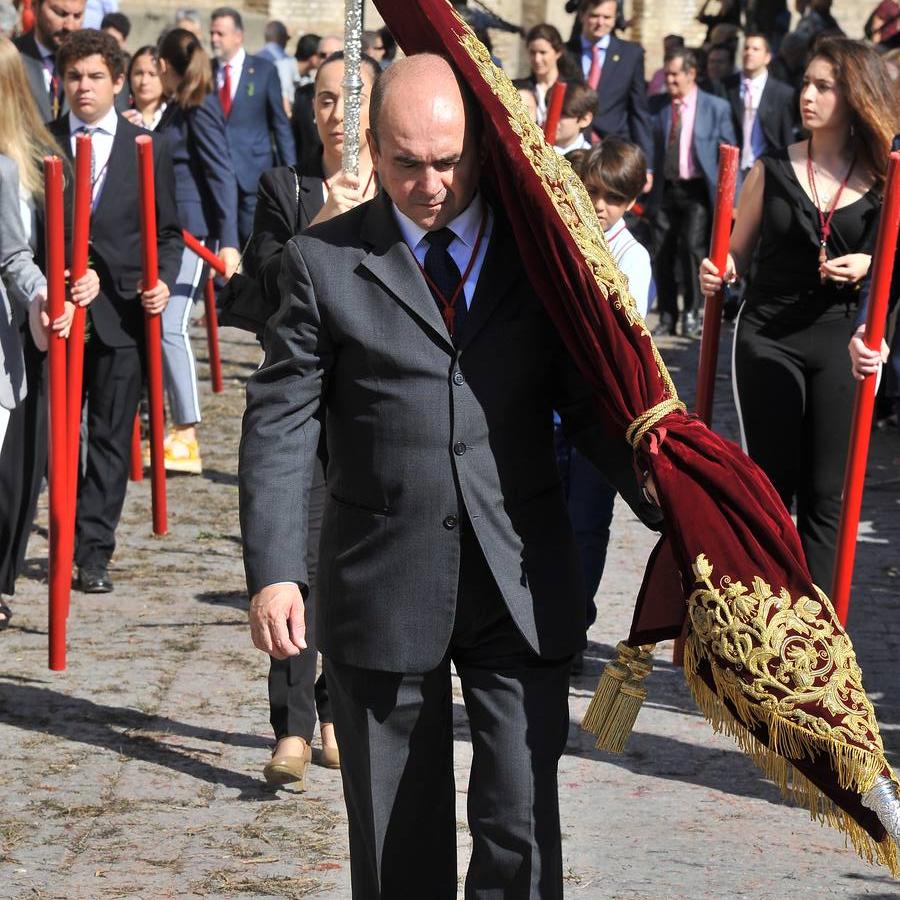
{"points": [[602, 43], [46, 52], [580, 143], [107, 124], [757, 80], [237, 61], [465, 226]]}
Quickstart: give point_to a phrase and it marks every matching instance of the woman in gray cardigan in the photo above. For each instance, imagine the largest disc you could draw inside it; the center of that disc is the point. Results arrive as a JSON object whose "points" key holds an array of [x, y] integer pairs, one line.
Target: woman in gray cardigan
{"points": [[23, 291]]}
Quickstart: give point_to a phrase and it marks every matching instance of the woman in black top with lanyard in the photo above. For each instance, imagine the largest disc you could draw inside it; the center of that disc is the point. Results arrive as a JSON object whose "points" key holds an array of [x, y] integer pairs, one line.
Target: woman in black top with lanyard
{"points": [[807, 220], [289, 201]]}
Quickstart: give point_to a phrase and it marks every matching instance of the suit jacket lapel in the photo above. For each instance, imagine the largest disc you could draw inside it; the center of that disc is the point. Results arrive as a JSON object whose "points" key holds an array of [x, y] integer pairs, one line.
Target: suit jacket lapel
{"points": [[495, 279], [391, 261]]}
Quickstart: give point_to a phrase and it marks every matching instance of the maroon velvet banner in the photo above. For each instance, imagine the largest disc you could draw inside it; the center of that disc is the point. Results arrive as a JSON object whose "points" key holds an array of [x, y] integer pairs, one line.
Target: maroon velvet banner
{"points": [[766, 660]]}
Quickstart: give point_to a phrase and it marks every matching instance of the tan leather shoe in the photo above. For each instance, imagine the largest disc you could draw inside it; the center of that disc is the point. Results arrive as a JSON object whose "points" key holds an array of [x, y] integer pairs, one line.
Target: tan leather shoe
{"points": [[287, 769], [330, 757]]}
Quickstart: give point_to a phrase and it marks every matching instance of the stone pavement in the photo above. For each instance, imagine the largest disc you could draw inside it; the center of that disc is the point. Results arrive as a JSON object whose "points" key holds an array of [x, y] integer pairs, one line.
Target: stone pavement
{"points": [[137, 772]]}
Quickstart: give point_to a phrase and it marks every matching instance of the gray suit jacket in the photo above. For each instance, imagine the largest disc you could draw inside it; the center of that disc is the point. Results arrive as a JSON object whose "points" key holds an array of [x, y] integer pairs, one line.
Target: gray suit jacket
{"points": [[423, 438], [712, 126], [21, 279]]}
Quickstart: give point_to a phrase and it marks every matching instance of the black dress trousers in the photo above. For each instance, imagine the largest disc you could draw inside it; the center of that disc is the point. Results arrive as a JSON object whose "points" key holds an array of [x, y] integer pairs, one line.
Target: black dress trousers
{"points": [[396, 736]]}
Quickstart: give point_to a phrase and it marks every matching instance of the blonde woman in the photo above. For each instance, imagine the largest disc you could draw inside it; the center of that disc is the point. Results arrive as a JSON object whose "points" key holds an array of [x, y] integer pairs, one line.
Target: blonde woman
{"points": [[23, 318]]}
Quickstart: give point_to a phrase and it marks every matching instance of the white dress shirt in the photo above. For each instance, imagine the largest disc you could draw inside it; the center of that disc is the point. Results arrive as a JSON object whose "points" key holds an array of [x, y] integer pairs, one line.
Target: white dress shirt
{"points": [[48, 58], [751, 96], [466, 227], [237, 66], [587, 53], [103, 133]]}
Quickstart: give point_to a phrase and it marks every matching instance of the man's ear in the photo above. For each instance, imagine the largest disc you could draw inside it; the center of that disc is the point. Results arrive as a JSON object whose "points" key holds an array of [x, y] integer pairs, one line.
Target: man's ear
{"points": [[118, 84], [631, 205], [585, 120], [373, 146]]}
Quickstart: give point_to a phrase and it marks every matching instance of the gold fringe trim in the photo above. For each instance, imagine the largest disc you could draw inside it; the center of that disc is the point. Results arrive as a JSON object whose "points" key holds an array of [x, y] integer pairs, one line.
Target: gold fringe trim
{"points": [[856, 769]]}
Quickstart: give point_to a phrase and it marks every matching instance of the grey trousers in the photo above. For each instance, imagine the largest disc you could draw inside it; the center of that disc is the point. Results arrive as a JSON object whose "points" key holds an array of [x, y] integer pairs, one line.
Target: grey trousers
{"points": [[179, 368], [395, 731]]}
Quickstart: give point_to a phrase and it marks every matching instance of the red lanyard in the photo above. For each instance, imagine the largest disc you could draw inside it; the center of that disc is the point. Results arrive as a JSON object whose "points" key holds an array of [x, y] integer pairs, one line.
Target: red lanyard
{"points": [[824, 220], [365, 189], [448, 307]]}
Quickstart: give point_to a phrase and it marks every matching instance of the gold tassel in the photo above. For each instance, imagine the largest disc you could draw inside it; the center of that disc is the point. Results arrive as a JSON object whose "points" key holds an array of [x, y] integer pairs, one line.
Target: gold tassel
{"points": [[618, 698]]}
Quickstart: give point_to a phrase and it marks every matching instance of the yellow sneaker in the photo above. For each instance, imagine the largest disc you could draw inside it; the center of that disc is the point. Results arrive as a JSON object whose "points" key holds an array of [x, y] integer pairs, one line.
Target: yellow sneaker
{"points": [[182, 456]]}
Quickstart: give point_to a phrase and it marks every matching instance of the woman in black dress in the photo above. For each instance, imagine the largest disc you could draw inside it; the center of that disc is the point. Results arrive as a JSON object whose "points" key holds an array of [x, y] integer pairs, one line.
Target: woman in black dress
{"points": [[806, 221], [289, 200]]}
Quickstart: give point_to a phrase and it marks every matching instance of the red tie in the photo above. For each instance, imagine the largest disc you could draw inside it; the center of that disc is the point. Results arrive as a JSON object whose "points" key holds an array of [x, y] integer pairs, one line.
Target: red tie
{"points": [[225, 91], [594, 73]]}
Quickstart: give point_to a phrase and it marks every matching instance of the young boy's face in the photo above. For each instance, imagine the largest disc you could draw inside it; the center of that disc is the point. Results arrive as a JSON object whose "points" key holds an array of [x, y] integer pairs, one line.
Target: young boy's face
{"points": [[90, 88], [568, 128], [609, 207]]}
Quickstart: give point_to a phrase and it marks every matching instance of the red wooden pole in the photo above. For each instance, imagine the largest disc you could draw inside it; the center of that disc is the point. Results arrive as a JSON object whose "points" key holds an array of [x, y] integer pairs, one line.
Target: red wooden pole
{"points": [[153, 331], [75, 370], [27, 16], [864, 405], [718, 253], [60, 576], [212, 336], [136, 469], [212, 315], [203, 252], [554, 111]]}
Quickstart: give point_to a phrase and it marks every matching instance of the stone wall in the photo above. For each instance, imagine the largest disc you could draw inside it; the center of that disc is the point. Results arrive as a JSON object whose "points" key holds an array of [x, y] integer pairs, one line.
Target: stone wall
{"points": [[653, 19]]}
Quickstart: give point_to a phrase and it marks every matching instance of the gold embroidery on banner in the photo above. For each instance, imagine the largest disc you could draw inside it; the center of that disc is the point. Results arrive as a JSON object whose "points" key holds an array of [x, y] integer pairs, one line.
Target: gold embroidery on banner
{"points": [[784, 655], [568, 194], [772, 660]]}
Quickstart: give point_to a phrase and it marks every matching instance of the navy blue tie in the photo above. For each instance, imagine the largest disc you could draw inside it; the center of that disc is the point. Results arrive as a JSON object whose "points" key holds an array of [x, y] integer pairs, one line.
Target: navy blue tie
{"points": [[445, 276]]}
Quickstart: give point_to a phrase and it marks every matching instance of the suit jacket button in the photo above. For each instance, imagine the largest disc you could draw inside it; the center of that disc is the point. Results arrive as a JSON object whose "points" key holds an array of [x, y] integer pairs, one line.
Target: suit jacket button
{"points": [[459, 378], [450, 523], [459, 448]]}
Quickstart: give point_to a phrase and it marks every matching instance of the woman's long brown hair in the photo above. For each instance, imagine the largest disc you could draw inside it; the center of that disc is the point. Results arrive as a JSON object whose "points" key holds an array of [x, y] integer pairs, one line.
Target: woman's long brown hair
{"points": [[184, 53], [871, 96]]}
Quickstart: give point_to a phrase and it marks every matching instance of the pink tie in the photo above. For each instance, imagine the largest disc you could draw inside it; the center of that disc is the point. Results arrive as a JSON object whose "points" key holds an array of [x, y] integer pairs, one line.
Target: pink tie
{"points": [[594, 73]]}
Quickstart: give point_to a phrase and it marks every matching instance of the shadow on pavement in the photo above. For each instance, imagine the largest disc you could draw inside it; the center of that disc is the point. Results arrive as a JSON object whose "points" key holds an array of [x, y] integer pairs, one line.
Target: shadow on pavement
{"points": [[111, 728], [234, 599]]}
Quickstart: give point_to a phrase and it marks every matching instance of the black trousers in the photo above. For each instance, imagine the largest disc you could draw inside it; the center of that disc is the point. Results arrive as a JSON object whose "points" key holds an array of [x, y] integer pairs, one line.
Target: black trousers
{"points": [[295, 696], [794, 394], [113, 377], [396, 735], [23, 462], [681, 229]]}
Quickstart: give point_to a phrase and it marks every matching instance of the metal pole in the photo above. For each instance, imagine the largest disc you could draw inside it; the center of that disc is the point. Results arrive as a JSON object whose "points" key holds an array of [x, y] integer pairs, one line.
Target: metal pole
{"points": [[353, 15]]}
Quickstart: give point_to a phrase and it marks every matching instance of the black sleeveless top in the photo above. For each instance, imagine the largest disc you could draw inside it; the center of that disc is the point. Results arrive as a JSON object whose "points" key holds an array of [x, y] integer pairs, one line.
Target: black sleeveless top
{"points": [[786, 269]]}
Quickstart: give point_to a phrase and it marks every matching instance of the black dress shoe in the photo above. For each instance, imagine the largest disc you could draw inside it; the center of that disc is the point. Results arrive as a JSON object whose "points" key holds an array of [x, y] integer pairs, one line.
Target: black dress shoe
{"points": [[93, 581], [690, 325], [666, 325]]}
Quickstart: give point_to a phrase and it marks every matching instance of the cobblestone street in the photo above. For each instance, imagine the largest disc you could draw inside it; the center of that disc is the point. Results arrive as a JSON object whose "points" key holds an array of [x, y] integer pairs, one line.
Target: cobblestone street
{"points": [[137, 772]]}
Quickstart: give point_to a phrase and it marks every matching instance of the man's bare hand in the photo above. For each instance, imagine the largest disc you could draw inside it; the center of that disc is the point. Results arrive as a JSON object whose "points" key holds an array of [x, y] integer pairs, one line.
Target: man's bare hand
{"points": [[156, 299], [278, 620]]}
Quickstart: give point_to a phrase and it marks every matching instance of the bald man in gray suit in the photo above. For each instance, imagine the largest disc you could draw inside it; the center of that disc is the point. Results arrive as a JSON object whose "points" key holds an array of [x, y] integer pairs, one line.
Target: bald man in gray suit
{"points": [[408, 327]]}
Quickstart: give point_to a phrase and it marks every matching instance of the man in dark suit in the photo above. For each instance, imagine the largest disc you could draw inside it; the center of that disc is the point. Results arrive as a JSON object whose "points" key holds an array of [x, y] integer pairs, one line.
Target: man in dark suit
{"points": [[249, 91], [445, 535], [688, 126], [763, 109], [90, 65], [54, 21], [615, 70]]}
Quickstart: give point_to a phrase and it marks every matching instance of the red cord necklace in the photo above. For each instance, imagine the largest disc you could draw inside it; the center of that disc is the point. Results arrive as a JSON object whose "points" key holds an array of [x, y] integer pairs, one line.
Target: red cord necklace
{"points": [[365, 189], [825, 216], [448, 307]]}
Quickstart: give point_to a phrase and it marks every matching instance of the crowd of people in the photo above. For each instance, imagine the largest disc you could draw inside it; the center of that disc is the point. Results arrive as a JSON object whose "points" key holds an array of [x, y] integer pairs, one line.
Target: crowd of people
{"points": [[248, 154]]}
